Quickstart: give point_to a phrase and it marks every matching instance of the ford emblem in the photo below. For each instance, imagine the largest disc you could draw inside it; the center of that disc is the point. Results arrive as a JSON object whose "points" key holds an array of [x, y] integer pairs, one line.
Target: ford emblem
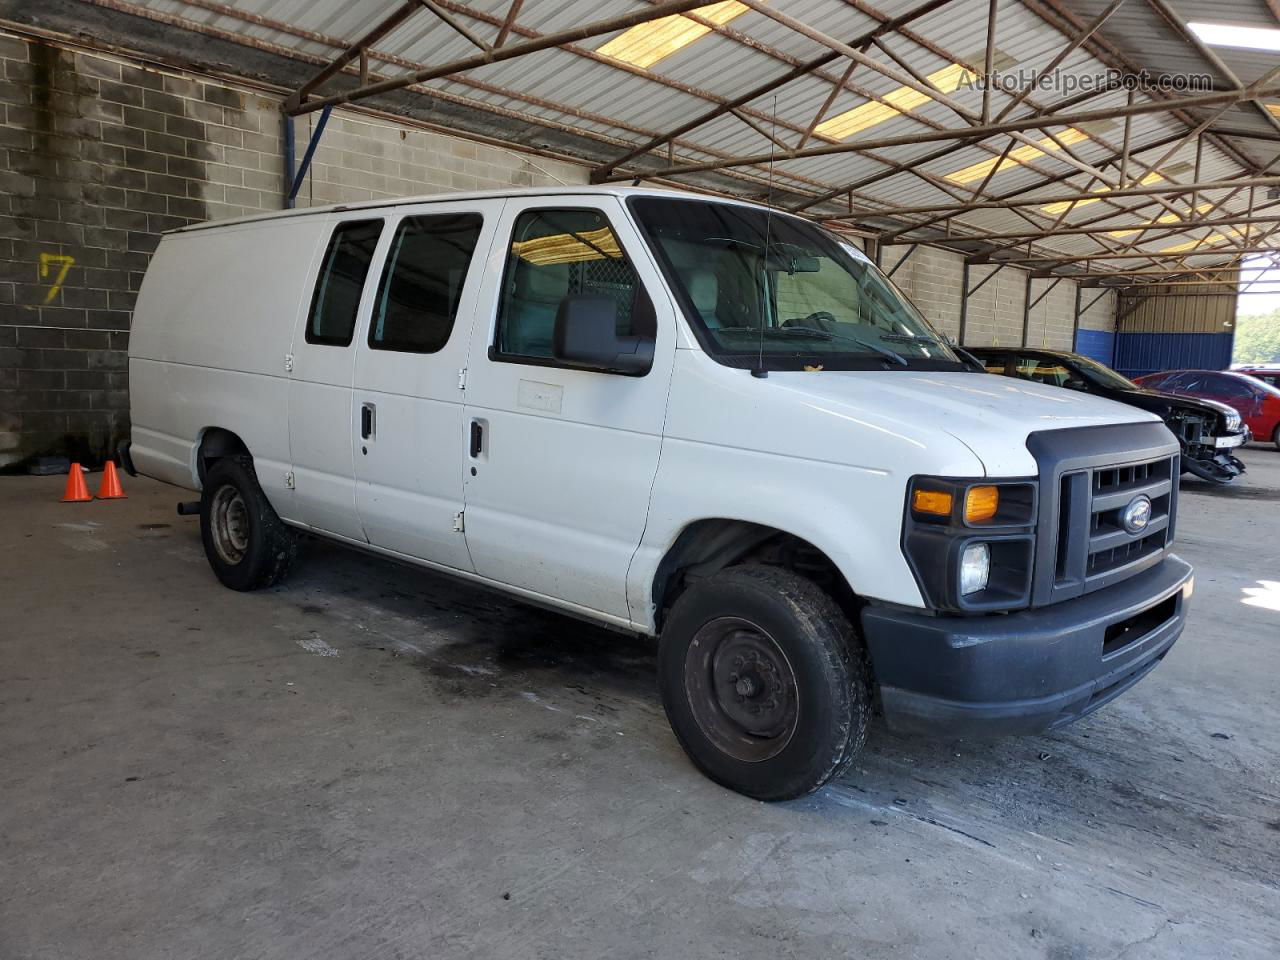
{"points": [[1135, 517]]}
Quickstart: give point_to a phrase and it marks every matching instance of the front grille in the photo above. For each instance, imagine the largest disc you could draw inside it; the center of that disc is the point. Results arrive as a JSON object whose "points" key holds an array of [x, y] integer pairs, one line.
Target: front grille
{"points": [[1112, 558], [1088, 478], [1111, 547], [1093, 500]]}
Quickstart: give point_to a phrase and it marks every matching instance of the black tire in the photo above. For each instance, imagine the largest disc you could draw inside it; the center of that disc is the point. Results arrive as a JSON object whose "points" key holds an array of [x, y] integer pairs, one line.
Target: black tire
{"points": [[1275, 436], [247, 544], [773, 622]]}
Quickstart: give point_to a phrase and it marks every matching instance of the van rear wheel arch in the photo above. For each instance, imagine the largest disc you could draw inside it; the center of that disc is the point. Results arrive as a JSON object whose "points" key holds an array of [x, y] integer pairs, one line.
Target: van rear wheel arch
{"points": [[216, 443]]}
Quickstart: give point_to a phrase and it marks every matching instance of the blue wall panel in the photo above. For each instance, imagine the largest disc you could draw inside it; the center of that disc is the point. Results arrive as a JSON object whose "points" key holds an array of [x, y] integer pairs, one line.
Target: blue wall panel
{"points": [[1141, 353], [1098, 344]]}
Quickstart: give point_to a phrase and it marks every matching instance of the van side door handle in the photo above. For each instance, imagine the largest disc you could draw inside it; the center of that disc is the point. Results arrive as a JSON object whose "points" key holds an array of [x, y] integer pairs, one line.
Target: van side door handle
{"points": [[477, 438], [368, 423]]}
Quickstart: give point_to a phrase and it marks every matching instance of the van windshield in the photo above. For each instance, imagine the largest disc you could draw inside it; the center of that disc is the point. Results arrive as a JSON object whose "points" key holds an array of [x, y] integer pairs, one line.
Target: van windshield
{"points": [[780, 293]]}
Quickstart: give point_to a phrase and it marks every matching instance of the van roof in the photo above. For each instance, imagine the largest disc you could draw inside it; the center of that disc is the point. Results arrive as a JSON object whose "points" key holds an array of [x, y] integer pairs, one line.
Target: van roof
{"points": [[607, 189]]}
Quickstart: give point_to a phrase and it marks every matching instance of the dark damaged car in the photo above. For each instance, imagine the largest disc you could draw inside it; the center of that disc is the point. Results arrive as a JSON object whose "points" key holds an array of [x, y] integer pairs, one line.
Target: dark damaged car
{"points": [[1208, 431]]}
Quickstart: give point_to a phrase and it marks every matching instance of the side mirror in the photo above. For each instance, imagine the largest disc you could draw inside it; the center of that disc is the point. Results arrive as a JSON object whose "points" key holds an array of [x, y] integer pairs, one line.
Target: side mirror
{"points": [[586, 335]]}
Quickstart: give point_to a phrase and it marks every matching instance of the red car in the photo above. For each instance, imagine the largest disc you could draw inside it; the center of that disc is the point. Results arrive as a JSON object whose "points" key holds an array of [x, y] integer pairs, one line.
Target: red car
{"points": [[1269, 375], [1257, 402]]}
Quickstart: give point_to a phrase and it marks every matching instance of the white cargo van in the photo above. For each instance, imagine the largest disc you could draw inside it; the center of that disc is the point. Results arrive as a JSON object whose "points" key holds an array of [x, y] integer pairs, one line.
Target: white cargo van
{"points": [[684, 417]]}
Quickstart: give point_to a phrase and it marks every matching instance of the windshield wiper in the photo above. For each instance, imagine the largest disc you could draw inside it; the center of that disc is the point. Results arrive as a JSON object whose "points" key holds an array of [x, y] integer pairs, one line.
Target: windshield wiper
{"points": [[812, 333], [913, 338]]}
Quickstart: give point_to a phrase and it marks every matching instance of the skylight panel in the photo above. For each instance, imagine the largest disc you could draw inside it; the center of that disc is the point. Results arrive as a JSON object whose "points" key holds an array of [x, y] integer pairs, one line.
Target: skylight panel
{"points": [[647, 43]]}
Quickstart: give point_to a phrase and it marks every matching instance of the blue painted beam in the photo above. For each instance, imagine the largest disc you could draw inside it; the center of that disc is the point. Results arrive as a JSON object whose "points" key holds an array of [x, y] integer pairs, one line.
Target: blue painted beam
{"points": [[301, 175]]}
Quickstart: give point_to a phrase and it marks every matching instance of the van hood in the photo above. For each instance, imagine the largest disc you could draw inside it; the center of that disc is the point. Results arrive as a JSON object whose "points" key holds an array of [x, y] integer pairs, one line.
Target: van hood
{"points": [[991, 415]]}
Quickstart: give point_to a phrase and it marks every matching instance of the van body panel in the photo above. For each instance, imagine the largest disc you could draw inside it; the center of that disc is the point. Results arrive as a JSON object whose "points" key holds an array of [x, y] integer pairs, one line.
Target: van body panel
{"points": [[320, 404], [211, 332], [409, 472], [568, 456], [780, 453], [168, 452], [992, 416]]}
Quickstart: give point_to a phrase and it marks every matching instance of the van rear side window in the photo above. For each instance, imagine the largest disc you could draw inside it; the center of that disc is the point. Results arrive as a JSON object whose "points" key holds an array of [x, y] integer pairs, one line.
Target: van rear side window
{"points": [[337, 295], [422, 282]]}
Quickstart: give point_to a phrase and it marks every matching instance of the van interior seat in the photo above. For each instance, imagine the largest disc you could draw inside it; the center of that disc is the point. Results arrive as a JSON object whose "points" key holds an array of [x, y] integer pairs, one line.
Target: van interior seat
{"points": [[531, 314], [704, 291]]}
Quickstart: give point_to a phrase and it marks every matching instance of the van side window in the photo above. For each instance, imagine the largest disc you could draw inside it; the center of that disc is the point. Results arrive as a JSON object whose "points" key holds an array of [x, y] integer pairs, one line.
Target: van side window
{"points": [[422, 282], [337, 295], [555, 254]]}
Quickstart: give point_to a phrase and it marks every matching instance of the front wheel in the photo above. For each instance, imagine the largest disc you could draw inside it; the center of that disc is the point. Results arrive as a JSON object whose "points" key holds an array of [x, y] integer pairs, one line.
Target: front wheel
{"points": [[246, 543], [1275, 437], [764, 682]]}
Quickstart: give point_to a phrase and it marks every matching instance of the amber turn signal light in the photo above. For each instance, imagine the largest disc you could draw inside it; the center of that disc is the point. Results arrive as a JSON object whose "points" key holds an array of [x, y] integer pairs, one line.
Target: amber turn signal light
{"points": [[935, 503], [981, 504]]}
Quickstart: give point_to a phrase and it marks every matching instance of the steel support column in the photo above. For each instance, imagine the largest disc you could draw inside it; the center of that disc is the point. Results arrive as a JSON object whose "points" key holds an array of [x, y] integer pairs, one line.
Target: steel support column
{"points": [[966, 292], [1032, 304], [905, 257], [1075, 323], [295, 179], [1026, 312]]}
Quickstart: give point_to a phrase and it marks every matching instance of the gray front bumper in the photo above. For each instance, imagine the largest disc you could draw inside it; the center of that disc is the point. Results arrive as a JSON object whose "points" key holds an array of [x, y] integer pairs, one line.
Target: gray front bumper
{"points": [[1029, 671]]}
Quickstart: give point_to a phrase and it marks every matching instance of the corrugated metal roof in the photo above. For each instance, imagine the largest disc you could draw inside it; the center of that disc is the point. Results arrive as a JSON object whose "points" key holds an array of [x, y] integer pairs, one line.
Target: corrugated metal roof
{"points": [[573, 88]]}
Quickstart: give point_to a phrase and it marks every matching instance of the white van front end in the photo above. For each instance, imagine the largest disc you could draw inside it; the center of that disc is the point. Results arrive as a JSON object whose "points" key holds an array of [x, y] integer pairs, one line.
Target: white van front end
{"points": [[1006, 545], [1033, 610]]}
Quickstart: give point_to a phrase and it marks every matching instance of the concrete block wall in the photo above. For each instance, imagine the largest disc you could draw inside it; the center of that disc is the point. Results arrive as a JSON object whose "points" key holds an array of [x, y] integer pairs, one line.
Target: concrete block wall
{"points": [[359, 158], [363, 158], [1050, 322], [933, 278], [1099, 313], [100, 154]]}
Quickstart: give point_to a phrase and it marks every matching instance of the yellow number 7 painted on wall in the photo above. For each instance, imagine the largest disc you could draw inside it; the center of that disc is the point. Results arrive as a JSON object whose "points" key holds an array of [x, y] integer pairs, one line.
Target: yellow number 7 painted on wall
{"points": [[47, 260]]}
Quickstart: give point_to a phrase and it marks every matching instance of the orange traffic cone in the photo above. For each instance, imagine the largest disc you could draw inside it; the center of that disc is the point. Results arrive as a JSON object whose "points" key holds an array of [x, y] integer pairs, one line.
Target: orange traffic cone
{"points": [[110, 488], [77, 489]]}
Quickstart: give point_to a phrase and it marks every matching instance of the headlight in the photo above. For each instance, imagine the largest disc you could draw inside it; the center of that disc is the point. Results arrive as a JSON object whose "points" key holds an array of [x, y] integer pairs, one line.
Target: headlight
{"points": [[975, 568], [970, 541]]}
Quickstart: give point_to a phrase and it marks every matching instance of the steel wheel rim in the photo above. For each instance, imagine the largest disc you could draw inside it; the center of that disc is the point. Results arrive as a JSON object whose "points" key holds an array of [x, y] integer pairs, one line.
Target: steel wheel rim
{"points": [[741, 689], [229, 524]]}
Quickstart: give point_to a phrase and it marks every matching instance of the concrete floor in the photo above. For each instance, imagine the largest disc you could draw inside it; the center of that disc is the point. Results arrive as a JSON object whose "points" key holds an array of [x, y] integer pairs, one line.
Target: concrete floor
{"points": [[373, 762]]}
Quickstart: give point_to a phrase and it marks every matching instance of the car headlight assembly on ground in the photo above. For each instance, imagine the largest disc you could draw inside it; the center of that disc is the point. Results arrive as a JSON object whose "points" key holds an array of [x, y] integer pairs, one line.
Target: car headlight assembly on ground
{"points": [[970, 543]]}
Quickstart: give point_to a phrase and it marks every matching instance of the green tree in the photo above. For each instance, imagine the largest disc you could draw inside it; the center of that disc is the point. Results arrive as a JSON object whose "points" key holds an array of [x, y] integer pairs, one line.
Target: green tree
{"points": [[1257, 339]]}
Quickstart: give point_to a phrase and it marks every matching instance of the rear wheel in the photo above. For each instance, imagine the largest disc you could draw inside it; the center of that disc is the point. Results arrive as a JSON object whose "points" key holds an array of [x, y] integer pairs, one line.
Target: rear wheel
{"points": [[246, 543], [764, 682], [1275, 437]]}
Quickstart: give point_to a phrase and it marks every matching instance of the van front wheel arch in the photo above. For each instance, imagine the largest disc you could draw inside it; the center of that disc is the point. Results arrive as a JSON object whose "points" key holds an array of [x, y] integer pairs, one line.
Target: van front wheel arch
{"points": [[247, 544], [764, 681]]}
